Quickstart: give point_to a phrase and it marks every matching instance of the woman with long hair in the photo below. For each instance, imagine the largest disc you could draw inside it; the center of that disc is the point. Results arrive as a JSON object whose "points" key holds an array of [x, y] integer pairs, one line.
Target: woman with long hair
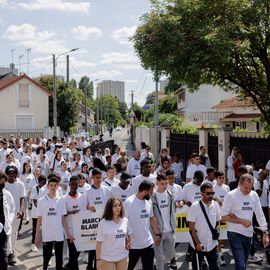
{"points": [[56, 163], [87, 157], [76, 164], [113, 237]]}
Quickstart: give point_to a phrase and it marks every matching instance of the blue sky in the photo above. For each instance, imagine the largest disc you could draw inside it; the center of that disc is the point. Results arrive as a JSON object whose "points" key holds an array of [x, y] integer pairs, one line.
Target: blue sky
{"points": [[99, 28]]}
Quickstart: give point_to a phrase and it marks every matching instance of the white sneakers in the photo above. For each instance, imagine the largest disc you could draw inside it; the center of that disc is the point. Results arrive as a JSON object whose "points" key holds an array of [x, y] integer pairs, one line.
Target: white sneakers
{"points": [[34, 248]]}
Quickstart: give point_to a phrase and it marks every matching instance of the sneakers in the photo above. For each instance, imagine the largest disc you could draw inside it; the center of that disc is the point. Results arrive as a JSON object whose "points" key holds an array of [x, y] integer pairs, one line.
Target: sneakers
{"points": [[222, 260], [173, 264], [230, 252], [11, 259], [27, 221], [34, 248], [255, 259]]}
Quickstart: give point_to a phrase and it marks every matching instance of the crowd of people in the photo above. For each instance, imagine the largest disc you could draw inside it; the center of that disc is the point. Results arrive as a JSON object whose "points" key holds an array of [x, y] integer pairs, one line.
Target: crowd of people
{"points": [[50, 181]]}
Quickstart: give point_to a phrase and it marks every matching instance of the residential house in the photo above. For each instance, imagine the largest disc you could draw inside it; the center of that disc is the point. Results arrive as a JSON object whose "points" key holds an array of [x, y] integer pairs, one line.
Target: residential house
{"points": [[197, 106], [244, 113], [23, 103]]}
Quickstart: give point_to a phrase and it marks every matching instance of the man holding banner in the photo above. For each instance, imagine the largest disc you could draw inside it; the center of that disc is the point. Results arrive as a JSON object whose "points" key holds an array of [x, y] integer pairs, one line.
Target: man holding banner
{"points": [[203, 217]]}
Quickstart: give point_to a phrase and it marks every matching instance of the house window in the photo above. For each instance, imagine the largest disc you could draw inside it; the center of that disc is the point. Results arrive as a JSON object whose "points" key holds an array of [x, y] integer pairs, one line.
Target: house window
{"points": [[181, 96], [24, 122], [242, 125], [24, 96]]}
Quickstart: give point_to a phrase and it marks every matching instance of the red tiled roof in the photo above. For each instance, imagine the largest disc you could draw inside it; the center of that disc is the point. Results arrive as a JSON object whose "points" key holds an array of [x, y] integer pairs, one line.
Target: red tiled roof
{"points": [[7, 82], [234, 102], [233, 116]]}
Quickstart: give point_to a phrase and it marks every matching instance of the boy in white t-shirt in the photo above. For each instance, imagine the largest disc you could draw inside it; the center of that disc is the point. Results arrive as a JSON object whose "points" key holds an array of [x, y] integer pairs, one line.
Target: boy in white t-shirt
{"points": [[51, 211], [110, 180], [97, 197], [175, 189], [34, 196], [75, 202]]}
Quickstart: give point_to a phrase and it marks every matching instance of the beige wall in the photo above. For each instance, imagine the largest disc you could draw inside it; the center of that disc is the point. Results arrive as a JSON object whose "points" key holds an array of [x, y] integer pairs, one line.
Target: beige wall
{"points": [[9, 106]]}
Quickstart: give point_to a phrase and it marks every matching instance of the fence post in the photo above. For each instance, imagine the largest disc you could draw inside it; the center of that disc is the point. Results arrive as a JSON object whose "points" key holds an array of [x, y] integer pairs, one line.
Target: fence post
{"points": [[223, 147], [203, 137]]}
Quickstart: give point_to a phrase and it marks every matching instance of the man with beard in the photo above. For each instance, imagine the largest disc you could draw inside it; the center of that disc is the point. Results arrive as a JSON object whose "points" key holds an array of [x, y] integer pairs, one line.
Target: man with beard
{"points": [[7, 212], [139, 212]]}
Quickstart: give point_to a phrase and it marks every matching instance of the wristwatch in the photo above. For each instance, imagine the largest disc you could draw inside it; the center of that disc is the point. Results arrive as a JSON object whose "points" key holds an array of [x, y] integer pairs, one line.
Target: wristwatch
{"points": [[158, 234]]}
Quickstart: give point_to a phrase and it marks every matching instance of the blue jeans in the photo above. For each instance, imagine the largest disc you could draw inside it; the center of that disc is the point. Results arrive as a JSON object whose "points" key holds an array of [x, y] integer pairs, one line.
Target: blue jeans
{"points": [[240, 246]]}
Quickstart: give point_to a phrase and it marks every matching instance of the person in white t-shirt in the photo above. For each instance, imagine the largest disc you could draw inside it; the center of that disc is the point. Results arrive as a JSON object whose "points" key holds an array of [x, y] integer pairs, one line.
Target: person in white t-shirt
{"points": [[51, 211], [123, 190], [83, 185], [134, 166], [66, 152], [110, 181], [147, 154], [116, 156], [175, 189], [64, 175], [34, 196], [97, 197], [56, 162], [139, 211], [164, 211], [76, 164], [210, 177], [7, 215], [145, 175], [113, 237], [220, 190], [238, 209], [178, 168], [202, 237], [196, 166], [75, 202], [17, 190], [87, 158]]}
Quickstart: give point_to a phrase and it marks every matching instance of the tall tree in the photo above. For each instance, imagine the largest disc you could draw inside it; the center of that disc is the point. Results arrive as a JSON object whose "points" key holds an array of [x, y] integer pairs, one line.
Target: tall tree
{"points": [[123, 109], [225, 43], [67, 103], [73, 83], [85, 83]]}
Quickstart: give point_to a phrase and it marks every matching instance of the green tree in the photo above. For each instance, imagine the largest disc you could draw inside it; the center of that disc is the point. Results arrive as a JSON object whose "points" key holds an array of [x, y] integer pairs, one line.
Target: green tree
{"points": [[123, 109], [73, 83], [109, 110], [150, 99], [67, 103], [138, 111], [167, 104], [85, 83], [225, 43]]}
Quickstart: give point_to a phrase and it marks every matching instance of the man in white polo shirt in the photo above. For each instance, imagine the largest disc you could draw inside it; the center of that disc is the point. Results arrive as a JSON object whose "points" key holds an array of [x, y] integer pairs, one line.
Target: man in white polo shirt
{"points": [[196, 166], [237, 210], [203, 240]]}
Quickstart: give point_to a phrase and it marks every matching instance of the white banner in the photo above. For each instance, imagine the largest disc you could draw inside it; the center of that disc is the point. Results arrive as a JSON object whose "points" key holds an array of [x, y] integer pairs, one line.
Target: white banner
{"points": [[85, 226], [182, 234]]}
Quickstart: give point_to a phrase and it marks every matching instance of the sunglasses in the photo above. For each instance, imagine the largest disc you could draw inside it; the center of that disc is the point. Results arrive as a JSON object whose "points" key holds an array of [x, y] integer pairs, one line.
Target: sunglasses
{"points": [[209, 193]]}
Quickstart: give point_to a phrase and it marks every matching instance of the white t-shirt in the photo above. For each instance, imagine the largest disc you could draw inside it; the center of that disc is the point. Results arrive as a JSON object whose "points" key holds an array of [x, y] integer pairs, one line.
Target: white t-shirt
{"points": [[110, 183], [134, 167], [214, 182], [122, 194], [4, 153], [163, 204], [193, 168], [139, 213], [221, 191], [77, 203], [83, 189], [115, 158], [27, 181], [34, 195], [17, 191], [147, 155], [98, 197], [195, 214], [65, 177], [113, 237], [191, 192], [87, 160], [176, 191], [56, 165], [177, 168], [138, 179], [51, 211], [265, 187], [243, 206], [78, 169], [66, 153]]}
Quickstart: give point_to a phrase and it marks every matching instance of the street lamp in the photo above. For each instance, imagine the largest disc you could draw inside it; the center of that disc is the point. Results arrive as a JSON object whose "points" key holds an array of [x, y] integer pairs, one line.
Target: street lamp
{"points": [[54, 89]]}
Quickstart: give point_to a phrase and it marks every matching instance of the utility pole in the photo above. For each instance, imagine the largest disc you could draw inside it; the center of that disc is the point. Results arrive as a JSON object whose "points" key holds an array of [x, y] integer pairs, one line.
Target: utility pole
{"points": [[132, 99], [67, 79], [85, 111], [156, 118], [28, 51], [12, 55], [54, 98]]}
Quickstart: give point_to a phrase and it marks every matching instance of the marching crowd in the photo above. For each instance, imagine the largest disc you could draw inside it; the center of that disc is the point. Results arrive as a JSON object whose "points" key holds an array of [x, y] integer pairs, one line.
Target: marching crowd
{"points": [[139, 196]]}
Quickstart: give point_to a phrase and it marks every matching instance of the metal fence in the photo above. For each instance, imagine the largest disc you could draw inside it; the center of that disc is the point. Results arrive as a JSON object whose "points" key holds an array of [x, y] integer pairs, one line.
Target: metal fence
{"points": [[184, 144], [23, 134], [252, 149]]}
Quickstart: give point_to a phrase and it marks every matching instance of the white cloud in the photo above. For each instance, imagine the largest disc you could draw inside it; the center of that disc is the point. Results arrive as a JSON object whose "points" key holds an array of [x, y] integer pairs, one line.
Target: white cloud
{"points": [[131, 81], [121, 60], [2, 2], [83, 32], [58, 5], [105, 74], [123, 34], [40, 41]]}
